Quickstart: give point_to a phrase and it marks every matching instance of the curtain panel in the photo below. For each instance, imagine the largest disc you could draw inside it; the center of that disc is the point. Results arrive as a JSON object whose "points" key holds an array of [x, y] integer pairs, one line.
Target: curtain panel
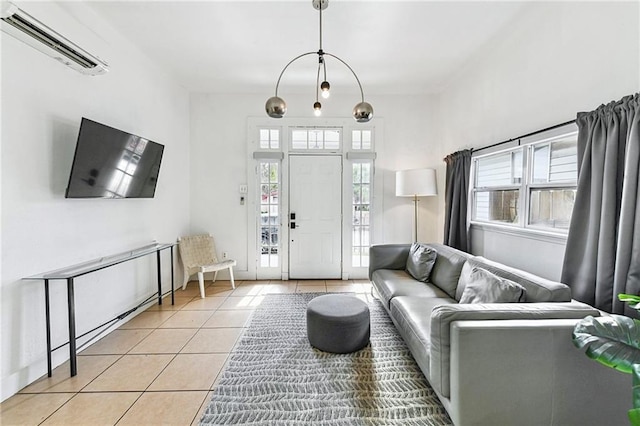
{"points": [[456, 228], [602, 257]]}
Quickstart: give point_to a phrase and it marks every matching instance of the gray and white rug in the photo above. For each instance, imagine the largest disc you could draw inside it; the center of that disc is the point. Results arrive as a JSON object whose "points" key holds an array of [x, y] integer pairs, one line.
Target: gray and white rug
{"points": [[275, 377]]}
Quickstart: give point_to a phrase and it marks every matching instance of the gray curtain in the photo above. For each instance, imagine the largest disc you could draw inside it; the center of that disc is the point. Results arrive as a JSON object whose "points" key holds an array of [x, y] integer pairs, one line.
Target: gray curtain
{"points": [[602, 257], [456, 198]]}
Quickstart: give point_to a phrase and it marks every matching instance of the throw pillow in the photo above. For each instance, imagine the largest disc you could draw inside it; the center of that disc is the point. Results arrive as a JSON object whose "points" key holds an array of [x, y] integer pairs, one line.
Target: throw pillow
{"points": [[420, 261], [485, 287]]}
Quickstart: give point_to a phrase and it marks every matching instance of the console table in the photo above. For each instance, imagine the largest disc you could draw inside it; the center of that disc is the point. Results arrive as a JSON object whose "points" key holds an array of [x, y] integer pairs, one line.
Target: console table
{"points": [[74, 271]]}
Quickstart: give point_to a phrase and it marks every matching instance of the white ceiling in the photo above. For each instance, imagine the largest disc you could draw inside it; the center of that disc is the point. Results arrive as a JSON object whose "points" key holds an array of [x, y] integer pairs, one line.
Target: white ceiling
{"points": [[395, 47]]}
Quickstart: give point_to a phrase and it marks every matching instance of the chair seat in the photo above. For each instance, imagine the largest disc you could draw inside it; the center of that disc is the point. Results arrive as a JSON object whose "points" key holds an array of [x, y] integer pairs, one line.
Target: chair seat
{"points": [[217, 266], [198, 254]]}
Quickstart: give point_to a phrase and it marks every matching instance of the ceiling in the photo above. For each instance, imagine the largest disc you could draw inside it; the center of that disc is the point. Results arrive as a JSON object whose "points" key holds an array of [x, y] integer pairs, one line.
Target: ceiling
{"points": [[395, 47]]}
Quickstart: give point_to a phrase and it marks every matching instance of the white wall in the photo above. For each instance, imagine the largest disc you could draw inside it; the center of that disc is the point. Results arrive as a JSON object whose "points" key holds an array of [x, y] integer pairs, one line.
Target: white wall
{"points": [[42, 104], [557, 59], [219, 161]]}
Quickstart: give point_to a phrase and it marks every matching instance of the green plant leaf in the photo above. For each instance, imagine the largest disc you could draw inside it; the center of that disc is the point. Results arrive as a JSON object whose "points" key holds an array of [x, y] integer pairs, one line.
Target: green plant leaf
{"points": [[612, 340], [632, 299], [634, 416], [636, 388]]}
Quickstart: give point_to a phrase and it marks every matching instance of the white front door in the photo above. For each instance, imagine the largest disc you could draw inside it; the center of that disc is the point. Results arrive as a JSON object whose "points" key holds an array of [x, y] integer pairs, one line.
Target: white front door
{"points": [[315, 217]]}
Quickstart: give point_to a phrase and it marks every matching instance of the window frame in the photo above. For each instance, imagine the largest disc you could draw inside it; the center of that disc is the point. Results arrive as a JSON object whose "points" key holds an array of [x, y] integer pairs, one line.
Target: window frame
{"points": [[526, 186], [270, 140], [351, 249], [277, 225]]}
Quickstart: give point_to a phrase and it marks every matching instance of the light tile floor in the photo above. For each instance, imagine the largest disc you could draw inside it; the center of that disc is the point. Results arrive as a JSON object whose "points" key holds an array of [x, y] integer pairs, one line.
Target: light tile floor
{"points": [[159, 367]]}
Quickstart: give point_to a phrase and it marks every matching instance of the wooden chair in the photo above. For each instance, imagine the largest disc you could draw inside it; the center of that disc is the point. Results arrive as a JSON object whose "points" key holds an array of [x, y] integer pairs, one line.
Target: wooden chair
{"points": [[198, 254]]}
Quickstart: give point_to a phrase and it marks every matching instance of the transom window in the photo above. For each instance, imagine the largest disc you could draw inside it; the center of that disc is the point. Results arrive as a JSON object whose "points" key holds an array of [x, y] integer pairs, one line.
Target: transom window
{"points": [[361, 140], [315, 139], [269, 139], [530, 186]]}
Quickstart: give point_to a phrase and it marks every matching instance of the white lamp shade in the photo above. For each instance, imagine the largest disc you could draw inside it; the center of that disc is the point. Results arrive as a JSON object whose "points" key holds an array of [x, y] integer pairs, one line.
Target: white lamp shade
{"points": [[416, 182]]}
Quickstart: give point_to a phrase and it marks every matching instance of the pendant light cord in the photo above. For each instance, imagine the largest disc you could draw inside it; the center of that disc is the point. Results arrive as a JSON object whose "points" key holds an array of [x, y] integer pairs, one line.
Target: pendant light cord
{"points": [[318, 82]]}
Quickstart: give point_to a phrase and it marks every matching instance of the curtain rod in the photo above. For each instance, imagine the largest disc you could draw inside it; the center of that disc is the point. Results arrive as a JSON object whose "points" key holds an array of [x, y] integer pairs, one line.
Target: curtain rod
{"points": [[523, 136]]}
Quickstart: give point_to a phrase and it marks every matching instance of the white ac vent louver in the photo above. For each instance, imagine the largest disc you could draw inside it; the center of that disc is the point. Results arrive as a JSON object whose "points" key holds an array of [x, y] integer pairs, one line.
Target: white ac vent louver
{"points": [[19, 24]]}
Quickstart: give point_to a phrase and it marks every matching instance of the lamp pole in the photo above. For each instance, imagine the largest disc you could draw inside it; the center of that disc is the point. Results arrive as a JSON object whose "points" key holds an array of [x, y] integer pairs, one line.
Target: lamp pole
{"points": [[415, 221], [416, 183]]}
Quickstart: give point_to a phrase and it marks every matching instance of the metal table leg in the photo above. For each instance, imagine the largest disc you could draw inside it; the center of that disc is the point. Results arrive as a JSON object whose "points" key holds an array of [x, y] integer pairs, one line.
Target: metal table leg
{"points": [[173, 302], [72, 328], [159, 278], [47, 311]]}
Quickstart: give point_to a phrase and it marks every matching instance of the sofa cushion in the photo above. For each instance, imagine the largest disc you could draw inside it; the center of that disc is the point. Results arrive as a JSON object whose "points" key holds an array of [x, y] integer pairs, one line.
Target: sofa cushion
{"points": [[412, 318], [390, 283], [420, 261], [538, 289], [485, 287], [388, 256], [446, 270]]}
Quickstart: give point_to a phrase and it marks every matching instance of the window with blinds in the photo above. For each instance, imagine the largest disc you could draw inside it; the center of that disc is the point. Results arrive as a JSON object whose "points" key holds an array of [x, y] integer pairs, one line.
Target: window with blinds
{"points": [[530, 186], [497, 187], [554, 178]]}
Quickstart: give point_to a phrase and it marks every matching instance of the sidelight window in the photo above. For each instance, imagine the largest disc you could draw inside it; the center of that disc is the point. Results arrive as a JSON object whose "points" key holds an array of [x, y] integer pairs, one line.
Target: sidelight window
{"points": [[361, 213], [269, 213]]}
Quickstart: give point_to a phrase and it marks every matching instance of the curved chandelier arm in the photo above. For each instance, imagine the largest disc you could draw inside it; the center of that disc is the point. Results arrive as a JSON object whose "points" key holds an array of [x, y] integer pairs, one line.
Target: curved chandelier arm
{"points": [[292, 61], [352, 72]]}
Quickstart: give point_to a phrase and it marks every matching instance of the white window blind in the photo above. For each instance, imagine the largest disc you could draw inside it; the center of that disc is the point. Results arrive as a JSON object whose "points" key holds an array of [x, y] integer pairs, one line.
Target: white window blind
{"points": [[499, 170]]}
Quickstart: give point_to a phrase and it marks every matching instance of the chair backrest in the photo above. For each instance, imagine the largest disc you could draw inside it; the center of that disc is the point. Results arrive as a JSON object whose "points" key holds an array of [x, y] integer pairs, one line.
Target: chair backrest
{"points": [[197, 250]]}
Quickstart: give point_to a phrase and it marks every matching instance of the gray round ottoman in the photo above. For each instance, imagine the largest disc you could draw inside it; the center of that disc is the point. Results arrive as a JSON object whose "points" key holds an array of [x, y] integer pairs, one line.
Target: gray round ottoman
{"points": [[338, 323]]}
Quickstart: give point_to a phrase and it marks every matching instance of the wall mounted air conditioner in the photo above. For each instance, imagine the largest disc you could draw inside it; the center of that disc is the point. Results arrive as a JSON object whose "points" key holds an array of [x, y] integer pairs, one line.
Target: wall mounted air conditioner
{"points": [[26, 28]]}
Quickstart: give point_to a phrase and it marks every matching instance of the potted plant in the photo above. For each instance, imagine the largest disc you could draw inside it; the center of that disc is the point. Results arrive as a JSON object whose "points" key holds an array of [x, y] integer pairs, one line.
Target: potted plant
{"points": [[614, 340]]}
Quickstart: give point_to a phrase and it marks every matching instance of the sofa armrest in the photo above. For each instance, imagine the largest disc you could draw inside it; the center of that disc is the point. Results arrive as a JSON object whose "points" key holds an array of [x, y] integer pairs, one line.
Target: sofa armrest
{"points": [[529, 373], [443, 315], [388, 256]]}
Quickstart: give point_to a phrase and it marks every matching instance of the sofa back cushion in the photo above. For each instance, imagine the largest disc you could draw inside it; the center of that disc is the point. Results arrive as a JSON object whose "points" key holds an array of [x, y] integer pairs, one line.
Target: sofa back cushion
{"points": [[537, 289], [420, 261], [446, 271], [485, 287]]}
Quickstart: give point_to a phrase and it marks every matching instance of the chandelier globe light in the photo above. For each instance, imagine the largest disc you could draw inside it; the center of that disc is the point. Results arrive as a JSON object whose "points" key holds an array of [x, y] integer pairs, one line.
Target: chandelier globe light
{"points": [[276, 107]]}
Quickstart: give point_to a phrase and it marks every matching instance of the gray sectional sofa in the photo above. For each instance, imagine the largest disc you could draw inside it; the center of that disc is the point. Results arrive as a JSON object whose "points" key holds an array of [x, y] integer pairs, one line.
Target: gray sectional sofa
{"points": [[497, 363]]}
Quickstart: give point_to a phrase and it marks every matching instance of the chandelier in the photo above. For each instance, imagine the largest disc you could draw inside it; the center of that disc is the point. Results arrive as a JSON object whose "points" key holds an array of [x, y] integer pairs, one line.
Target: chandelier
{"points": [[276, 107]]}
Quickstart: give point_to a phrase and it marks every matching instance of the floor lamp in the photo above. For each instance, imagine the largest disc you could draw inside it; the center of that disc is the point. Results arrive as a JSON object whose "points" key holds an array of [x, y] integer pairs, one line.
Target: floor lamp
{"points": [[416, 183]]}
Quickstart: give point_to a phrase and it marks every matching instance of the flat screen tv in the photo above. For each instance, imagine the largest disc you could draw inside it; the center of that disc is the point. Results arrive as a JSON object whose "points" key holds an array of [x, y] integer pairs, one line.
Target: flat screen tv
{"points": [[110, 163]]}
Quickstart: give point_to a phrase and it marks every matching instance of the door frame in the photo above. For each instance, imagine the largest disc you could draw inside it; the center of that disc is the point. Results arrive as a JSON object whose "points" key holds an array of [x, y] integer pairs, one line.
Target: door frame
{"points": [[255, 154]]}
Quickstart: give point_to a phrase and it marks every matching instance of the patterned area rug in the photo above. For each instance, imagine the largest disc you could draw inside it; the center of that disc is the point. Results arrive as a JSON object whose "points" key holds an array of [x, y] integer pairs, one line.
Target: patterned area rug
{"points": [[275, 377]]}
